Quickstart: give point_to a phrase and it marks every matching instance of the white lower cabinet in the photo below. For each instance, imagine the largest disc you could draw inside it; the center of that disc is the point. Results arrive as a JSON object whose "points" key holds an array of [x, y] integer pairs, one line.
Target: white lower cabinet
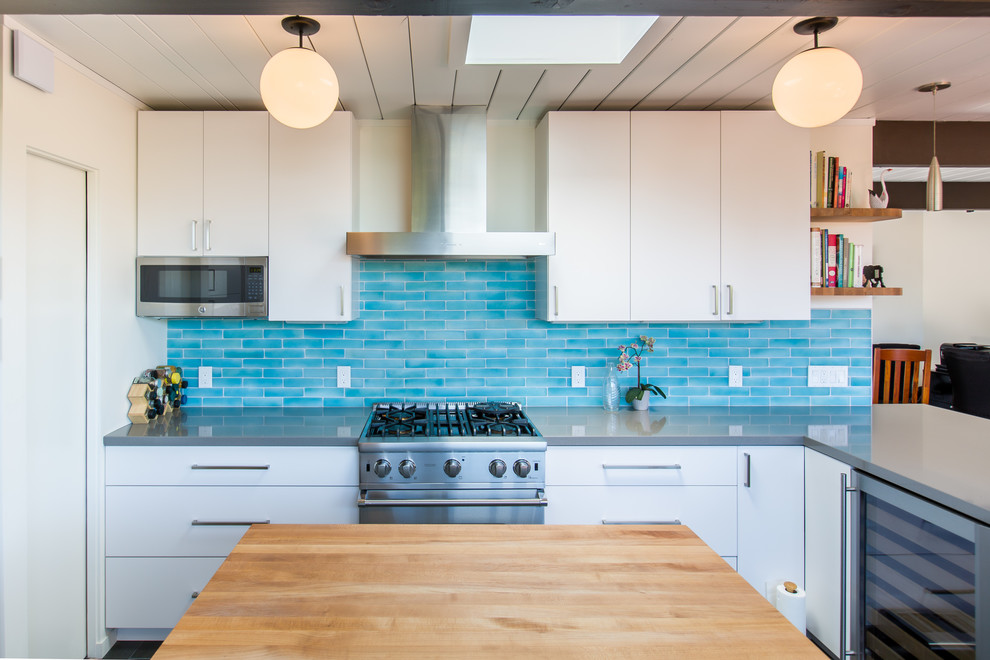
{"points": [[824, 495], [771, 516], [710, 511], [746, 503], [174, 513], [154, 592]]}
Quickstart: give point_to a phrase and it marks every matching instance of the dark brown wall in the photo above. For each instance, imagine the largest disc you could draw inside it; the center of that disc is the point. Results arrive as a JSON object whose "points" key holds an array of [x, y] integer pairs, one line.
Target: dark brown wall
{"points": [[909, 143]]}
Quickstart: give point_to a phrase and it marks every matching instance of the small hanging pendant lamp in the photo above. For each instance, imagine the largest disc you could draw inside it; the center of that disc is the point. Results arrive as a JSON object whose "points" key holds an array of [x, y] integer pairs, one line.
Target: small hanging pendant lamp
{"points": [[298, 87], [933, 193]]}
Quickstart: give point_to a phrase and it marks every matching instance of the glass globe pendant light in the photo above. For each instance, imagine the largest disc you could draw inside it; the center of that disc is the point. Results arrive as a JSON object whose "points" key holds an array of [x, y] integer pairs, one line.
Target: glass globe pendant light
{"points": [[818, 86], [298, 87], [933, 191]]}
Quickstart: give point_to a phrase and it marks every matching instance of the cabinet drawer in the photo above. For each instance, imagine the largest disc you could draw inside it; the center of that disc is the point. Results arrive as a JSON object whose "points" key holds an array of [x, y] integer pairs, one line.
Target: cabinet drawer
{"points": [[154, 593], [232, 466], [158, 521], [710, 511], [641, 466]]}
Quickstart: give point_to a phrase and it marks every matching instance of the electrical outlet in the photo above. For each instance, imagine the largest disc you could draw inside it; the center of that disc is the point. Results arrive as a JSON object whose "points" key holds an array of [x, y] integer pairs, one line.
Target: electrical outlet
{"points": [[343, 376], [735, 375], [205, 377], [828, 376], [735, 429], [577, 376]]}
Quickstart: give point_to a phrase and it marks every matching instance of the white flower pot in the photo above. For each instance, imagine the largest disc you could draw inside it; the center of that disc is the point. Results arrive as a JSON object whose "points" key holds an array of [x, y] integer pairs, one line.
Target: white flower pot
{"points": [[642, 404]]}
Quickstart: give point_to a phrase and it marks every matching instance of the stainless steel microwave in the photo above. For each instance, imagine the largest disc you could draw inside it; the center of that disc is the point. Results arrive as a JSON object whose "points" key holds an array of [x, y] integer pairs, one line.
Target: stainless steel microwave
{"points": [[195, 287]]}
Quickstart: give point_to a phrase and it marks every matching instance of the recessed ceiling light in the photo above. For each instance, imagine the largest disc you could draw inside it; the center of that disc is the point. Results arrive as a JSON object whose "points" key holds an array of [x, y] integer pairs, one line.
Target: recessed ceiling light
{"points": [[554, 39]]}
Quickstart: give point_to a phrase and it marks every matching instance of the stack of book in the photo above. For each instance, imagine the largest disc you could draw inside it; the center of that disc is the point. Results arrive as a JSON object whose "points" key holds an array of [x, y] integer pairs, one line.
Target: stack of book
{"points": [[835, 262], [828, 182]]}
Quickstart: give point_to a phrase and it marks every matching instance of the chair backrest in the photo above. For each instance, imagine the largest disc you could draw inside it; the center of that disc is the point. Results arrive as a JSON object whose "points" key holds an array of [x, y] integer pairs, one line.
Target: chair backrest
{"points": [[901, 375], [969, 372]]}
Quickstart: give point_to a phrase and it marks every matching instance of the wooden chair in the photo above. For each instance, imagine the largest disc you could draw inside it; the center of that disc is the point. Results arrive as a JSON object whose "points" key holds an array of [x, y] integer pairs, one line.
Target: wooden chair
{"points": [[901, 375]]}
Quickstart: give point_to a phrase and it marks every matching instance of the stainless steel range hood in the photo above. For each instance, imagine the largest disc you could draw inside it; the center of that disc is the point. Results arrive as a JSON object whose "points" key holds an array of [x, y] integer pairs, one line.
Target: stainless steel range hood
{"points": [[449, 196]]}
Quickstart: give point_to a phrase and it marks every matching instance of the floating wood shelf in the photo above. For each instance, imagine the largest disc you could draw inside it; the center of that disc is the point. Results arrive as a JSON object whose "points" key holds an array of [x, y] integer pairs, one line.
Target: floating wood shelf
{"points": [[855, 215], [857, 291]]}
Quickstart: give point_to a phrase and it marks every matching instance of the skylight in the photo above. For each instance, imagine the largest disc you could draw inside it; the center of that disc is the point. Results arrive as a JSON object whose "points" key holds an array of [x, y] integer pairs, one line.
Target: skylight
{"points": [[554, 39]]}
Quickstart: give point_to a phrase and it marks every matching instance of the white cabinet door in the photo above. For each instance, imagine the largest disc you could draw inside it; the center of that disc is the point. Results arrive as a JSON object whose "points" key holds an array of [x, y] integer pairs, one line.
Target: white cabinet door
{"points": [[170, 183], [587, 206], [764, 218], [823, 547], [154, 592], [641, 466], [710, 511], [675, 212], [235, 184], [771, 516], [205, 521], [311, 210]]}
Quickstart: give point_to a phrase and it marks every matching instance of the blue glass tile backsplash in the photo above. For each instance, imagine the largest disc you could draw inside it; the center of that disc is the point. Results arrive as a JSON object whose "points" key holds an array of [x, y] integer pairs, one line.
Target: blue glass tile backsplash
{"points": [[468, 330]]}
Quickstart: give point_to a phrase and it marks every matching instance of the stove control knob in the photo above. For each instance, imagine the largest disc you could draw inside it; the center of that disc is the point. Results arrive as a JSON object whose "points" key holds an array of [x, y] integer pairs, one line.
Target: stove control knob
{"points": [[407, 468], [452, 468], [497, 468], [382, 468], [521, 468]]}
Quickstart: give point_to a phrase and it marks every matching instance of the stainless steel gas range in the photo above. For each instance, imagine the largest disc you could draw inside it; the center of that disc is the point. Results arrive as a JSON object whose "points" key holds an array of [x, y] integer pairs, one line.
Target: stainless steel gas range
{"points": [[451, 463]]}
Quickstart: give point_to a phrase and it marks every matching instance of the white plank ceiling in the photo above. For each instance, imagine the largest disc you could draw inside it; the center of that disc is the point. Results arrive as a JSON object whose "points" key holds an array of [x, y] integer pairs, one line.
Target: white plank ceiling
{"points": [[386, 64]]}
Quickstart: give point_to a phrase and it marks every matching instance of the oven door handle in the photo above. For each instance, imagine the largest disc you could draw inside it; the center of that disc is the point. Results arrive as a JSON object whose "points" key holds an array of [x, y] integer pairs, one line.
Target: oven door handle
{"points": [[540, 500]]}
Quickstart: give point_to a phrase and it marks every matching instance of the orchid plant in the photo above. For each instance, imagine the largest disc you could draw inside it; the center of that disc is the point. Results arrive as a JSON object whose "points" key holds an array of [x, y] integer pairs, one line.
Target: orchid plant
{"points": [[633, 354]]}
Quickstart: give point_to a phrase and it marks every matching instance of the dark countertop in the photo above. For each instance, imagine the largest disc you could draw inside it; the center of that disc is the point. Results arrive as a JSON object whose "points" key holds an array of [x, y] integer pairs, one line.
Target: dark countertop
{"points": [[939, 454]]}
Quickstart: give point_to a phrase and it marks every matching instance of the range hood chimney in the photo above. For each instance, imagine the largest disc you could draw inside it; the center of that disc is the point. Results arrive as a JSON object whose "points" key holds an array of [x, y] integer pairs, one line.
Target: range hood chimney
{"points": [[449, 196]]}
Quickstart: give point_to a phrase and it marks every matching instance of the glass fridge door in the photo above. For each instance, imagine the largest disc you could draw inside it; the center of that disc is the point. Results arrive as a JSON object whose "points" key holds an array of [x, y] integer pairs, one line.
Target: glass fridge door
{"points": [[918, 576]]}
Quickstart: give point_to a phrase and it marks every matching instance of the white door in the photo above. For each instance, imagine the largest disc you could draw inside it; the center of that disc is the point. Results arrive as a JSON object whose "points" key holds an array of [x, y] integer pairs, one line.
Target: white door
{"points": [[56, 399], [170, 183], [588, 209], [764, 227], [675, 210]]}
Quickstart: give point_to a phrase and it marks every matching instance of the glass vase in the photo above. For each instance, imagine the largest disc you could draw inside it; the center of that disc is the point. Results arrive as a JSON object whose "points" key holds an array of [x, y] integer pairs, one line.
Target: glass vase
{"points": [[610, 389]]}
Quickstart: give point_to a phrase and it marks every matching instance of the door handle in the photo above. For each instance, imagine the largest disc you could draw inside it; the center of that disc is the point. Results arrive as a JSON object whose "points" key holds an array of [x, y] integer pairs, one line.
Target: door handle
{"points": [[228, 523], [844, 565], [672, 466], [556, 302], [728, 288], [206, 240], [749, 461], [229, 467], [715, 297], [194, 226], [341, 299]]}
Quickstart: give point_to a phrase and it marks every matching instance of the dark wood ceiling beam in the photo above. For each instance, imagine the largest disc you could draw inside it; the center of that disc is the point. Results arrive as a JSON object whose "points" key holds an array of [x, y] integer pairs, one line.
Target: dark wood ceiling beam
{"points": [[909, 143], [536, 7], [956, 195]]}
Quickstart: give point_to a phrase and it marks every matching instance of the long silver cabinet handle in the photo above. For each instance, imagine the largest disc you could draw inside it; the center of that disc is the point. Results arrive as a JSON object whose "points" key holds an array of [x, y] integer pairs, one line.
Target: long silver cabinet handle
{"points": [[715, 296], [749, 461], [728, 288], [230, 467], [228, 523], [341, 299], [641, 522], [673, 466], [194, 226], [556, 302], [843, 565], [206, 239]]}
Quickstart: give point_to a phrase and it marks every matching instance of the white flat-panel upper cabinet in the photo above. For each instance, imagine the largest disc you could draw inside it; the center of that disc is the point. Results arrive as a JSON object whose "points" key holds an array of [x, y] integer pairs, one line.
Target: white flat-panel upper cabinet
{"points": [[764, 218], [203, 184], [587, 206], [675, 216], [312, 182]]}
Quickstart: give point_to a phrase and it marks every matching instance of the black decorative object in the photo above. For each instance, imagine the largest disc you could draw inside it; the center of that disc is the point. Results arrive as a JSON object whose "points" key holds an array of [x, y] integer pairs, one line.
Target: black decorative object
{"points": [[873, 276]]}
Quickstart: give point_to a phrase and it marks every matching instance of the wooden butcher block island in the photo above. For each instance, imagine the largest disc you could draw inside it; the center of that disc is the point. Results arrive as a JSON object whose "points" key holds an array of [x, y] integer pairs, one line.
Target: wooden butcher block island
{"points": [[479, 591]]}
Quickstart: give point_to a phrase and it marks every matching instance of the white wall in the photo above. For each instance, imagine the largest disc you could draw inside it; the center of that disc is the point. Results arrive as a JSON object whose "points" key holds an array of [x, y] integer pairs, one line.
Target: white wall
{"points": [[940, 259], [86, 123], [384, 175]]}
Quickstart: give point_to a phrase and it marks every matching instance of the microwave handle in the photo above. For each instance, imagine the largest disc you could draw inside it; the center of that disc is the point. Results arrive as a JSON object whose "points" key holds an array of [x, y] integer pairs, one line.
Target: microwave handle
{"points": [[194, 227]]}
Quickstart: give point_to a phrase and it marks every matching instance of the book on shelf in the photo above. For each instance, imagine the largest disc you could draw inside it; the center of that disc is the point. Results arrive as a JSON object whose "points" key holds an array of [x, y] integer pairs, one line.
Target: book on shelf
{"points": [[820, 180], [832, 253], [857, 273], [816, 256], [830, 182]]}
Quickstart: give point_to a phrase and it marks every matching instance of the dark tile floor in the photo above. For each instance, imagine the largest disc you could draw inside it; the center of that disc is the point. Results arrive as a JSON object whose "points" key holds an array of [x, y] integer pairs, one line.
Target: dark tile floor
{"points": [[132, 650]]}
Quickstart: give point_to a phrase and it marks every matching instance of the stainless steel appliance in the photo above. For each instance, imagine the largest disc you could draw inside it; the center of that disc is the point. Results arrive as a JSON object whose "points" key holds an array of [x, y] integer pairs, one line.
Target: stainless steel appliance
{"points": [[922, 577], [451, 463], [192, 287]]}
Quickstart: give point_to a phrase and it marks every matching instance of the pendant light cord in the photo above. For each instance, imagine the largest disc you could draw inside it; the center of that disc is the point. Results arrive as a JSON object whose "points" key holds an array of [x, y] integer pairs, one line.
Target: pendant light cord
{"points": [[934, 119]]}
